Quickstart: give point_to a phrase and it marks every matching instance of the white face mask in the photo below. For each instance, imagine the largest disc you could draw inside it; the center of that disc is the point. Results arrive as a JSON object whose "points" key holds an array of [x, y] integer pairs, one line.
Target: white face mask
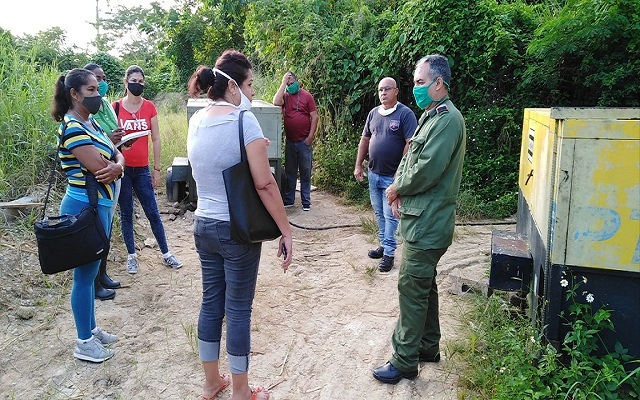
{"points": [[384, 112], [245, 103]]}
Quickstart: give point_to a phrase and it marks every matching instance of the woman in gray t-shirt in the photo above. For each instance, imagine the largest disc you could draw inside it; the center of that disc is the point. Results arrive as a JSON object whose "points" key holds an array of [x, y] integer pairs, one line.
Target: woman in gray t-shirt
{"points": [[229, 268]]}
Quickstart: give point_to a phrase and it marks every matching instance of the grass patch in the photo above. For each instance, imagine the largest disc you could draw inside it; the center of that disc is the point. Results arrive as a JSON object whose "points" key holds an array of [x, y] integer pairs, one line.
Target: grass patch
{"points": [[191, 332], [173, 133], [504, 357], [27, 131], [370, 227]]}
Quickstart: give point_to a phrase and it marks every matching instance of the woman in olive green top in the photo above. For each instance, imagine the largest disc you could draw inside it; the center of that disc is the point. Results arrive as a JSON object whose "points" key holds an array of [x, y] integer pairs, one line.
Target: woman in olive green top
{"points": [[107, 120]]}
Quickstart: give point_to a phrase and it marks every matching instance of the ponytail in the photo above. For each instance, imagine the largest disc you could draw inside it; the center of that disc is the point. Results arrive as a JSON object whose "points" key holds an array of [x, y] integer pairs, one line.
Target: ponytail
{"points": [[61, 100], [202, 80]]}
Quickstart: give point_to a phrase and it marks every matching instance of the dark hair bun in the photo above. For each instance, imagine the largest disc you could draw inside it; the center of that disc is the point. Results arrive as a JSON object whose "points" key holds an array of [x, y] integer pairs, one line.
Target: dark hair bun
{"points": [[207, 78]]}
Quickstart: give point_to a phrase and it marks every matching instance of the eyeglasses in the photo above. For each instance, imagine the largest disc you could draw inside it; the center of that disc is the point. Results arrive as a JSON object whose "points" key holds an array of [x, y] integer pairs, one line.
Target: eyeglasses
{"points": [[385, 88]]}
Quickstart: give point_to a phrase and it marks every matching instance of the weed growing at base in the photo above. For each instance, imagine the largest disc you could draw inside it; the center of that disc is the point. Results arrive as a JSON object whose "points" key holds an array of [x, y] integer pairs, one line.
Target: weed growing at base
{"points": [[506, 358]]}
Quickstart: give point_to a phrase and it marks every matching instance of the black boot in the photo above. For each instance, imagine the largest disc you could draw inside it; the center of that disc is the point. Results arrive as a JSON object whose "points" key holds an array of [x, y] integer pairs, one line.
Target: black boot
{"points": [[102, 293], [386, 264], [104, 279]]}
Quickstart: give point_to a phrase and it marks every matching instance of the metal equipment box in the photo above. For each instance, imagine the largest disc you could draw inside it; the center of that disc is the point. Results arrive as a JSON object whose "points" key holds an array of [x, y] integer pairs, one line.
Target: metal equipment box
{"points": [[179, 179], [268, 115], [579, 214], [270, 119]]}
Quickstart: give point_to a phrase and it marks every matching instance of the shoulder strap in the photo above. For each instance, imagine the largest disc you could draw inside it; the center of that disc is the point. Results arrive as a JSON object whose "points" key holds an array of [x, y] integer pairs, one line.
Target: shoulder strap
{"points": [[53, 170], [243, 151], [90, 178], [117, 109]]}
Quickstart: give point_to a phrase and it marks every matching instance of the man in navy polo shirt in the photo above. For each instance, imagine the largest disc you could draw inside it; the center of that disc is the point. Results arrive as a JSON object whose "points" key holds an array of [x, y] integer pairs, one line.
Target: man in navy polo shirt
{"points": [[385, 139]]}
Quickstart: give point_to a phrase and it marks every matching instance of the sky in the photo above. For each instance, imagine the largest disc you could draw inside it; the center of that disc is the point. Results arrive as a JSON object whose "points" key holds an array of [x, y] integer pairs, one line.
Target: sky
{"points": [[73, 16]]}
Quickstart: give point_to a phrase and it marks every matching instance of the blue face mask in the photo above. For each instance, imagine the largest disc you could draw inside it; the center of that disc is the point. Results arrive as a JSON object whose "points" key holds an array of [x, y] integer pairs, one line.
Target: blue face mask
{"points": [[421, 94], [103, 87]]}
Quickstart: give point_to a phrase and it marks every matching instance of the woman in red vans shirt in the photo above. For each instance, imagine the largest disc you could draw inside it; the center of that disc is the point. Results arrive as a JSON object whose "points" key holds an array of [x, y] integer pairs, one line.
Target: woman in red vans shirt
{"points": [[137, 114]]}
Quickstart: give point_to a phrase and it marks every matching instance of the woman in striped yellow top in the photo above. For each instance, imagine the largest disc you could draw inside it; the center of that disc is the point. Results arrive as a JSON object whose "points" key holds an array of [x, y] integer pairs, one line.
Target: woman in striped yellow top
{"points": [[85, 149]]}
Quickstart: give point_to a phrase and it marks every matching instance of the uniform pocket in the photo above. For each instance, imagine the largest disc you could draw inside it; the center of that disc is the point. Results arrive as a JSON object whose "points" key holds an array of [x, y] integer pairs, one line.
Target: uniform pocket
{"points": [[411, 227], [415, 148], [420, 264]]}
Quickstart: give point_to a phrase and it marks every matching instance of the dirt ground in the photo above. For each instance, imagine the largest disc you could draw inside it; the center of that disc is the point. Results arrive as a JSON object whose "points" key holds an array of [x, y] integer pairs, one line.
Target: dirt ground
{"points": [[317, 331]]}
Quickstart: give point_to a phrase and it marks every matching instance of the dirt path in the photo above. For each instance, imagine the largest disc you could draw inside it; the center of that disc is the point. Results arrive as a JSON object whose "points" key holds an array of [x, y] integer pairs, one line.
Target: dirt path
{"points": [[317, 331]]}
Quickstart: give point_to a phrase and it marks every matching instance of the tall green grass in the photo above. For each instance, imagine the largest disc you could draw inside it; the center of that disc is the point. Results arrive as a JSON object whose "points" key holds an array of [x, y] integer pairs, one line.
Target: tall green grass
{"points": [[27, 131], [172, 118]]}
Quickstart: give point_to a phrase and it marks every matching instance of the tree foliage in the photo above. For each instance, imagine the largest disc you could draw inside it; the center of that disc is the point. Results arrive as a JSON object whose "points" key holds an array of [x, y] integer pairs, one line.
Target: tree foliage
{"points": [[505, 55], [342, 49], [113, 71], [587, 55]]}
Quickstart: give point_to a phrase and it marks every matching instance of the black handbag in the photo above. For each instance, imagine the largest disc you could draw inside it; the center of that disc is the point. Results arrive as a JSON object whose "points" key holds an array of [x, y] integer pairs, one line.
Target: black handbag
{"points": [[250, 220], [67, 241]]}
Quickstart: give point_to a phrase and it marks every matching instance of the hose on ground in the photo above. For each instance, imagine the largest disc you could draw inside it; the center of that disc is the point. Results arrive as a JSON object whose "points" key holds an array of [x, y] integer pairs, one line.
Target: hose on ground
{"points": [[322, 228]]}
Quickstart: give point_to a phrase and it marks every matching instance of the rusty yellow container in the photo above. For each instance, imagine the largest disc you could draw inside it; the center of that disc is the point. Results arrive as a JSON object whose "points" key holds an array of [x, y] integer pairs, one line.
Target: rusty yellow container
{"points": [[579, 214]]}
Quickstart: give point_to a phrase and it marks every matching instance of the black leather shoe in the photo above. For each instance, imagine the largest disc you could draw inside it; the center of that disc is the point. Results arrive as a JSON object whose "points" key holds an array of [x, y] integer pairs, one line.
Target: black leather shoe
{"points": [[390, 374], [108, 283], [429, 358], [377, 253], [386, 264]]}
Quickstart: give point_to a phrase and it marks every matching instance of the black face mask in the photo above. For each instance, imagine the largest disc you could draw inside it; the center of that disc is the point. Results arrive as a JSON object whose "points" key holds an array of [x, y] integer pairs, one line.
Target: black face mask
{"points": [[135, 88], [92, 104]]}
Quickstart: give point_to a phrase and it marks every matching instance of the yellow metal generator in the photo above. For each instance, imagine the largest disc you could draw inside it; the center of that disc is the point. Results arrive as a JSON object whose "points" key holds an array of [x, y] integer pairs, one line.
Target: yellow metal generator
{"points": [[578, 222]]}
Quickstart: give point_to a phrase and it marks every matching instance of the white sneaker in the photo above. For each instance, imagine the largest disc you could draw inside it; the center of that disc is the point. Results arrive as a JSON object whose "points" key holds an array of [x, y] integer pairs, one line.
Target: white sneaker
{"points": [[104, 337], [92, 350], [172, 262], [132, 264]]}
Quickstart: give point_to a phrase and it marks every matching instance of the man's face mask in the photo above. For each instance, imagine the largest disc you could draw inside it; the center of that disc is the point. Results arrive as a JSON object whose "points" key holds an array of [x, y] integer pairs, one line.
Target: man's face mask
{"points": [[293, 88], [421, 94], [103, 88]]}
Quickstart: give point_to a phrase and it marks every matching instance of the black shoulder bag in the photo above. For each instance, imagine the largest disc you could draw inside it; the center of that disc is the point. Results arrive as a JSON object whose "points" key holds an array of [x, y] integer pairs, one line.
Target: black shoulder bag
{"points": [[68, 241], [250, 220]]}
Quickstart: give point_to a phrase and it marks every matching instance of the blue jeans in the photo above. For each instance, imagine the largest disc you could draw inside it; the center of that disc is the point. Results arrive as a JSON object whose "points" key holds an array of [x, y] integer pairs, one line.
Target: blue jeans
{"points": [[298, 156], [229, 275], [82, 298], [138, 180], [387, 223]]}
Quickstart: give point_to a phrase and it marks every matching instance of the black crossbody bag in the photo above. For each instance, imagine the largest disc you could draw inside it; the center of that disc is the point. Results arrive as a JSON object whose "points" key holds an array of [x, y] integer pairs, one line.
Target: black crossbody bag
{"points": [[67, 241]]}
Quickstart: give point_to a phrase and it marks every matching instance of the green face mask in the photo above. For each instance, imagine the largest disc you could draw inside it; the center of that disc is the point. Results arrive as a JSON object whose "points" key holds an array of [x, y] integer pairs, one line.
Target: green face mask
{"points": [[293, 88], [103, 87], [421, 94]]}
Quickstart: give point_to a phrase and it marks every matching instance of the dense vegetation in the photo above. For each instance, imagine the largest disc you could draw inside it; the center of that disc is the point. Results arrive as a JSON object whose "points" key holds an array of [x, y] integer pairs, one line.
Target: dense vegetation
{"points": [[505, 56]]}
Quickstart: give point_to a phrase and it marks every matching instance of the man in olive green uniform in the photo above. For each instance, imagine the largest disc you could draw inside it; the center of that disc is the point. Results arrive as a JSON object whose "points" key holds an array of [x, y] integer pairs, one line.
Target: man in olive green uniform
{"points": [[423, 195]]}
